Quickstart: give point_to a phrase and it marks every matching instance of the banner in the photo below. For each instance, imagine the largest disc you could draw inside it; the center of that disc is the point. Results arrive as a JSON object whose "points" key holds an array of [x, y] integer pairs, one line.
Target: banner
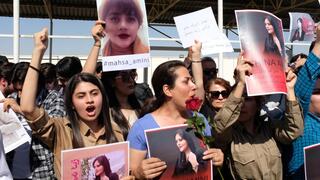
{"points": [[261, 38], [181, 150], [126, 44], [92, 162]]}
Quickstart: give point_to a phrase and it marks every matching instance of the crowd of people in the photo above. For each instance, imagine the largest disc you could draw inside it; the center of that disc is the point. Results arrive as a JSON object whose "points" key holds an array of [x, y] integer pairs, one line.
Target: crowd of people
{"points": [[67, 106]]}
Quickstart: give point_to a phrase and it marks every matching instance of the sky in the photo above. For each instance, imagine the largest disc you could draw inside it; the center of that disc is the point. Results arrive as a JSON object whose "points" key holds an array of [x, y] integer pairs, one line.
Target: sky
{"points": [[81, 47]]}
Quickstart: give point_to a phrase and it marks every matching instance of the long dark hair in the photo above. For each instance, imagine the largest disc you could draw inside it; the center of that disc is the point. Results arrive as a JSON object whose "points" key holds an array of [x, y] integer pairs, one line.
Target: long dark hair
{"points": [[103, 160], [103, 118], [269, 43], [182, 164], [164, 74], [108, 79]]}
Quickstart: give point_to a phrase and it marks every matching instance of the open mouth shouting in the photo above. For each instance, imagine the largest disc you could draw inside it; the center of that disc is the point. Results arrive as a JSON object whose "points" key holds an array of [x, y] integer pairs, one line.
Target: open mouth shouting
{"points": [[91, 111]]}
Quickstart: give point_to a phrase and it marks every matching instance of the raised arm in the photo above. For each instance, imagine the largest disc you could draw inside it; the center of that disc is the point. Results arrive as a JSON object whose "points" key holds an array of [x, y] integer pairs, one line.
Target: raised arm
{"points": [[230, 111], [292, 126], [97, 33], [194, 54], [29, 90], [308, 75]]}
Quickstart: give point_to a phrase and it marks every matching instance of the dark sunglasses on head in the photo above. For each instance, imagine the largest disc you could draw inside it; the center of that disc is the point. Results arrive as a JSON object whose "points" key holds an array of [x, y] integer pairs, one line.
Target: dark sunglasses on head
{"points": [[216, 94], [209, 72], [126, 76]]}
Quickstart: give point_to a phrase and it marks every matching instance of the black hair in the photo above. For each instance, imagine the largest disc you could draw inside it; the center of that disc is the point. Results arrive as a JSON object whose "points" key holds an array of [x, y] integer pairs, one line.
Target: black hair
{"points": [[68, 66], [99, 67], [103, 118], [49, 72], [269, 43], [312, 46], [164, 74], [6, 71], [107, 79], [3, 59]]}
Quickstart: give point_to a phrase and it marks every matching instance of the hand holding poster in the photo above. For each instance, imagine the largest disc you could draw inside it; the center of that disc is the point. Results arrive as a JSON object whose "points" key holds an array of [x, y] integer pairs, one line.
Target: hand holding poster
{"points": [[261, 38], [301, 27], [12, 130], [126, 43], [111, 160], [181, 150], [201, 25]]}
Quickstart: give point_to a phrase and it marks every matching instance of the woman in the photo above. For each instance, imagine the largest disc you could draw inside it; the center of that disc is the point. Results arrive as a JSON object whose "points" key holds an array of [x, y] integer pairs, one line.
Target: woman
{"points": [[274, 42], [103, 170], [217, 91], [123, 19], [119, 86], [125, 108], [173, 86], [87, 122], [190, 156], [252, 142], [299, 32]]}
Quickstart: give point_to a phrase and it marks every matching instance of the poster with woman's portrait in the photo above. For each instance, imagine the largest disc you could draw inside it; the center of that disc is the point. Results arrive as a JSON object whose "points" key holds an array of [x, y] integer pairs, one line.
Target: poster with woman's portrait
{"points": [[126, 44], [301, 27], [110, 161], [181, 150], [261, 39]]}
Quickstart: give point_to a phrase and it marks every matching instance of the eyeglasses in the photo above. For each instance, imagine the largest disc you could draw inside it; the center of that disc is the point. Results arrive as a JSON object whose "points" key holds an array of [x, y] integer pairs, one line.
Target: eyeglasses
{"points": [[216, 94], [126, 76], [210, 72]]}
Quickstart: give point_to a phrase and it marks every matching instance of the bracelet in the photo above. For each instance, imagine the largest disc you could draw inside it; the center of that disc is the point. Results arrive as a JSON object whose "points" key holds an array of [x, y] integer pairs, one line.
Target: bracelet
{"points": [[97, 45], [37, 70], [195, 61]]}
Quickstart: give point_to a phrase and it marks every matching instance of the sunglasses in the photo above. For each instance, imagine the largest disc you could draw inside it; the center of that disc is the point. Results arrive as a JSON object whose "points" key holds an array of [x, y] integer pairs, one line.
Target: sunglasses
{"points": [[210, 72], [126, 76], [216, 94]]}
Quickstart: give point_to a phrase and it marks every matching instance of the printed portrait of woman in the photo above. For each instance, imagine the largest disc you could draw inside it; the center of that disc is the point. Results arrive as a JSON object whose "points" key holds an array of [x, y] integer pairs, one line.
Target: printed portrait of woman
{"points": [[299, 32], [274, 41], [103, 170], [190, 156], [125, 28]]}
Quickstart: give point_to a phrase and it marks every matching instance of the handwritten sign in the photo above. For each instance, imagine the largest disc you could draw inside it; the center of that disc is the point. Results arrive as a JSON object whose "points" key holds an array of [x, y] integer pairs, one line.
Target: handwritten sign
{"points": [[201, 25]]}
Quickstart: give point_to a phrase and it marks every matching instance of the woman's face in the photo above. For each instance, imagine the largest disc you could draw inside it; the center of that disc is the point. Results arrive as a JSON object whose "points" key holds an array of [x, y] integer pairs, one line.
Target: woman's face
{"points": [[122, 29], [87, 101], [217, 95], [98, 168], [124, 82], [268, 26], [182, 144], [184, 87]]}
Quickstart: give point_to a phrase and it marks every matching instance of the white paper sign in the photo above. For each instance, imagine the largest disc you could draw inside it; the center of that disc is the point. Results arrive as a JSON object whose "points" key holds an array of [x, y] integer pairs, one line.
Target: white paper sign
{"points": [[115, 63], [201, 25], [12, 130]]}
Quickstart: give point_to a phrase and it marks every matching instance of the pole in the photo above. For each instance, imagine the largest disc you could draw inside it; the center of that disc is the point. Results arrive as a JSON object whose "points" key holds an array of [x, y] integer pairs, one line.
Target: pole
{"points": [[16, 39], [220, 24]]}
